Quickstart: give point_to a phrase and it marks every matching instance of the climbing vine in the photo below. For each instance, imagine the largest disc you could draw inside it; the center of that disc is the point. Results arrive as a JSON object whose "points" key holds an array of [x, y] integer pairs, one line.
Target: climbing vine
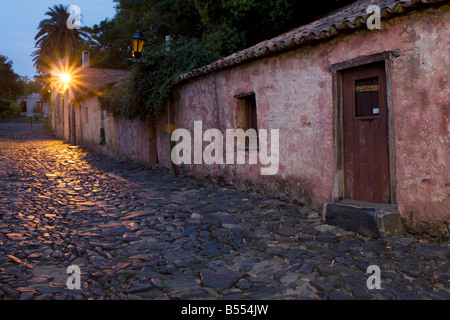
{"points": [[145, 92]]}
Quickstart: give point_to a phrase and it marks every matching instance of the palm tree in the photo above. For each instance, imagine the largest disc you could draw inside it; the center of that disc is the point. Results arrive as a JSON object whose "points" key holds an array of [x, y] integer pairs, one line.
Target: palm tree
{"points": [[55, 40]]}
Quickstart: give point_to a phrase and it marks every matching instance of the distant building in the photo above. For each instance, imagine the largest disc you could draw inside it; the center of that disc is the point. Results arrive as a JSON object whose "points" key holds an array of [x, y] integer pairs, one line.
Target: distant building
{"points": [[32, 104]]}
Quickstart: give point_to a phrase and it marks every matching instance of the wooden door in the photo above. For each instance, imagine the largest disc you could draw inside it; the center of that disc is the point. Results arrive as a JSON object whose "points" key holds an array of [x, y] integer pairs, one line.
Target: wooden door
{"points": [[366, 147]]}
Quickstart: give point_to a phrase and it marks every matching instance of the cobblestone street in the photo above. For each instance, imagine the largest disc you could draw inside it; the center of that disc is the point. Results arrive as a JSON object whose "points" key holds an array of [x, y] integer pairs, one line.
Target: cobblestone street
{"points": [[137, 233]]}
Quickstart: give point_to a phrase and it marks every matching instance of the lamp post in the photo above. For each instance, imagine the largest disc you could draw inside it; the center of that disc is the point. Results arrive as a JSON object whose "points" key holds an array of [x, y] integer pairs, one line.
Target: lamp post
{"points": [[137, 44]]}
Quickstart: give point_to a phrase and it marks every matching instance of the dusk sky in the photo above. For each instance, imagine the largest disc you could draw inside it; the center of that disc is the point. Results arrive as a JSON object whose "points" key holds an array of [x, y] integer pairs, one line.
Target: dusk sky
{"points": [[19, 20]]}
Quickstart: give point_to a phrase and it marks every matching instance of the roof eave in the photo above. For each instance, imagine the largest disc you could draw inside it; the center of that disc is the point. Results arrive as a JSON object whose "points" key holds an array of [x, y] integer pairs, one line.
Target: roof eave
{"points": [[293, 39]]}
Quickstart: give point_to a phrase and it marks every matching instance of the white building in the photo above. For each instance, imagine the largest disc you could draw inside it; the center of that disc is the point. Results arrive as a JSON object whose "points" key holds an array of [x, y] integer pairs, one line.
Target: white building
{"points": [[33, 103]]}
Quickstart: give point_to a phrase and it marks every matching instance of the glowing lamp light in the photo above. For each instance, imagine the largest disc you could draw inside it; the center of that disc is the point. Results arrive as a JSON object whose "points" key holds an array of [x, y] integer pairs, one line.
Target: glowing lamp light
{"points": [[137, 43], [65, 78], [65, 81]]}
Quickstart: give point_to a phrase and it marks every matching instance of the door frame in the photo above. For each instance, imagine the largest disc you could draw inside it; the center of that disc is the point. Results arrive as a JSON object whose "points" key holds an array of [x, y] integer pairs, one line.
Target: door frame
{"points": [[336, 71]]}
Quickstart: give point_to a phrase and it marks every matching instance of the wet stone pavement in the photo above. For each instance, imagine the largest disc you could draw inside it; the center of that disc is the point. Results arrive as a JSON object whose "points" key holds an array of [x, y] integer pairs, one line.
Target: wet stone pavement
{"points": [[137, 233]]}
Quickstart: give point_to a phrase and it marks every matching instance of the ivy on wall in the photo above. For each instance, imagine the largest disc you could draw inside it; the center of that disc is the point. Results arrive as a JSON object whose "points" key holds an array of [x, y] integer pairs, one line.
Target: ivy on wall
{"points": [[144, 93]]}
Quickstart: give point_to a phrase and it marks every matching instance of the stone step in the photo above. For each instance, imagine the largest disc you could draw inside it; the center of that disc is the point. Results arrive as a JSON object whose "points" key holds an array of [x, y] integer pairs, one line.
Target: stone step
{"points": [[377, 221]]}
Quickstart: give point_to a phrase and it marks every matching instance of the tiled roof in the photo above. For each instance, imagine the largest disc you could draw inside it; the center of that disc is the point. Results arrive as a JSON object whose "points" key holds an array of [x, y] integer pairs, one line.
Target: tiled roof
{"points": [[93, 80], [346, 19]]}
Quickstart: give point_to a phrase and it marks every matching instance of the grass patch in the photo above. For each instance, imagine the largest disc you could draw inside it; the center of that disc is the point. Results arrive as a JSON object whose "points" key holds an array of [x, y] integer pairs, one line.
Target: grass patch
{"points": [[22, 119]]}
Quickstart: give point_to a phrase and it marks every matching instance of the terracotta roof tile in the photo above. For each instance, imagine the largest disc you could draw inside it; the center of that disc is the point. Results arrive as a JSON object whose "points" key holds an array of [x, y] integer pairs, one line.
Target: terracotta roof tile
{"points": [[346, 19], [93, 80]]}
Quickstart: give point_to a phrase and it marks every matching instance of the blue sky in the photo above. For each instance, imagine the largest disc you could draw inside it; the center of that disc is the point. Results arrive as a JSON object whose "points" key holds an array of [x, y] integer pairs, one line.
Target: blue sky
{"points": [[19, 20]]}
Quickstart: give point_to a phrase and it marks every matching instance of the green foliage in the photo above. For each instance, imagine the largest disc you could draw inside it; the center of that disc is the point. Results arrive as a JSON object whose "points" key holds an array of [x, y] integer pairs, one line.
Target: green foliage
{"points": [[10, 86], [225, 26], [8, 107], [44, 82], [110, 41], [14, 108], [54, 40], [225, 39], [29, 86], [145, 92], [158, 18], [232, 25]]}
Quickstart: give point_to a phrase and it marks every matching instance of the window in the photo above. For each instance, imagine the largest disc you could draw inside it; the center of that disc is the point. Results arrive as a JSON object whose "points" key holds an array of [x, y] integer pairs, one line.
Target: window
{"points": [[39, 106], [250, 112], [23, 106], [367, 97], [247, 118], [102, 137]]}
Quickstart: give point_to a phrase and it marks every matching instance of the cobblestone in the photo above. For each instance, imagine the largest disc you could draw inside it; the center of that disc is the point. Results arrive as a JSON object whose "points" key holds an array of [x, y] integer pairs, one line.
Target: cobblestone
{"points": [[138, 233]]}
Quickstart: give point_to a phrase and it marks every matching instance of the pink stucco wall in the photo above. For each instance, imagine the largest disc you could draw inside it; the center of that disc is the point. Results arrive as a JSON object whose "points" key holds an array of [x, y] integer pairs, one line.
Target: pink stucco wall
{"points": [[162, 140], [294, 94], [421, 93], [136, 140], [124, 139]]}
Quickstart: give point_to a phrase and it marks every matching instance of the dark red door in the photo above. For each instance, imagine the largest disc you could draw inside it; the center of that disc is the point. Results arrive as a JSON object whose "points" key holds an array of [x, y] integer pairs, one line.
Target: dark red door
{"points": [[366, 148]]}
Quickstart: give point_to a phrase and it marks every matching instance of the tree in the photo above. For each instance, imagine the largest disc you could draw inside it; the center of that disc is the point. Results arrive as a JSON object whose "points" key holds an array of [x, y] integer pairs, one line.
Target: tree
{"points": [[159, 18], [204, 30], [110, 42], [226, 26], [10, 87], [8, 107], [155, 78], [55, 40], [30, 86], [111, 38], [232, 25]]}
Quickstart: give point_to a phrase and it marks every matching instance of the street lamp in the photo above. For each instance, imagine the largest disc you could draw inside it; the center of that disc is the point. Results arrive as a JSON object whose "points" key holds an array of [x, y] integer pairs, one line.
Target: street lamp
{"points": [[65, 81], [65, 78], [137, 43]]}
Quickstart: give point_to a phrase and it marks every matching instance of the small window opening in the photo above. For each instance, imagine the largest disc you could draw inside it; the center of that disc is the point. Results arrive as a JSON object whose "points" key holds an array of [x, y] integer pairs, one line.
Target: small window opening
{"points": [[23, 106], [39, 106], [367, 97], [250, 121]]}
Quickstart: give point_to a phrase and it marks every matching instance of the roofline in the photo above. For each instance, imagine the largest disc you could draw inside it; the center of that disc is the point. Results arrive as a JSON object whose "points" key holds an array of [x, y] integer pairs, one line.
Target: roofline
{"points": [[290, 40], [96, 91], [103, 71]]}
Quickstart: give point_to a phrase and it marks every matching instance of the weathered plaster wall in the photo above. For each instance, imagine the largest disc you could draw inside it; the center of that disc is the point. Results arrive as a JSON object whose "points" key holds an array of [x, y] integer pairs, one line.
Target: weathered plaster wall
{"points": [[59, 116], [53, 114], [136, 140], [421, 92], [124, 139], [88, 121], [162, 140], [294, 94]]}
